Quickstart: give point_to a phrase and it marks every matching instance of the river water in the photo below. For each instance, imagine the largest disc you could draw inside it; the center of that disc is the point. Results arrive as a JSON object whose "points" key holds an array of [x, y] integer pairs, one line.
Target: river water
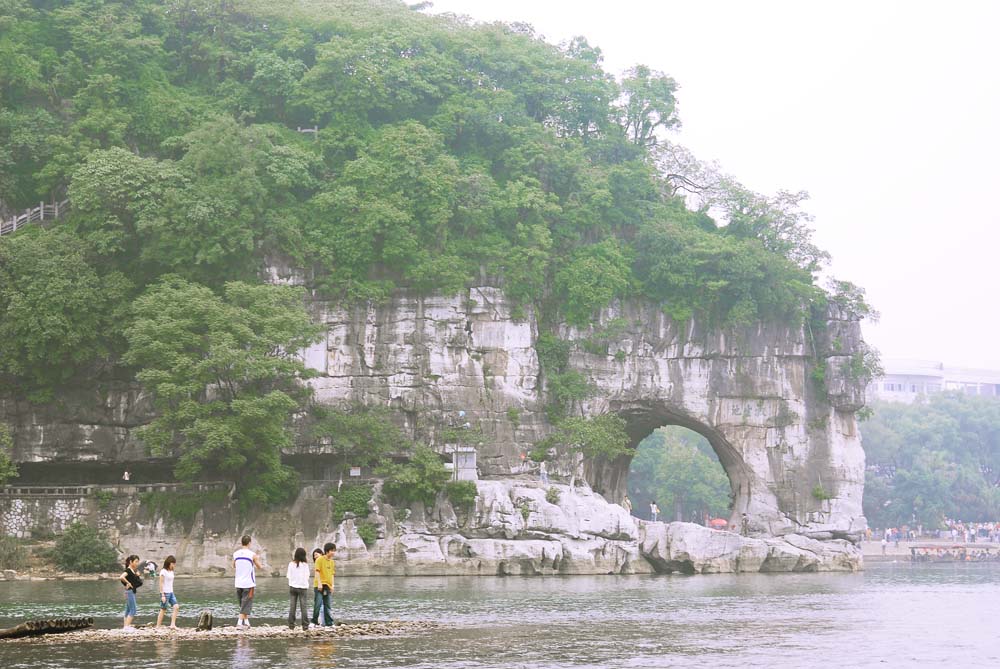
{"points": [[890, 615]]}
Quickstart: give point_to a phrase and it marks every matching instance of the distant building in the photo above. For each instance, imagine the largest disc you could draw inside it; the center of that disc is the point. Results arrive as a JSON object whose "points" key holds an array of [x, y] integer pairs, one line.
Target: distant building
{"points": [[906, 380]]}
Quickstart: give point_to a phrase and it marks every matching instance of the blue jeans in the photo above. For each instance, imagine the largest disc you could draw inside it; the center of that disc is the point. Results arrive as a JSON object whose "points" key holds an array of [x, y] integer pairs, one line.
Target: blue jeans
{"points": [[130, 608], [167, 601], [324, 601]]}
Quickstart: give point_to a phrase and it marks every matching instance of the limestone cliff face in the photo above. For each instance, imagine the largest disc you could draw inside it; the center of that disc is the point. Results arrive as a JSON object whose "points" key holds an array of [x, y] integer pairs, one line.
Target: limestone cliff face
{"points": [[781, 436], [778, 433]]}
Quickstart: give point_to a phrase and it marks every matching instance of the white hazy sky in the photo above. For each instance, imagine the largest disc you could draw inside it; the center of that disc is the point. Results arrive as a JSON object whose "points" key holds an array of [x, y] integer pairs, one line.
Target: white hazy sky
{"points": [[886, 112]]}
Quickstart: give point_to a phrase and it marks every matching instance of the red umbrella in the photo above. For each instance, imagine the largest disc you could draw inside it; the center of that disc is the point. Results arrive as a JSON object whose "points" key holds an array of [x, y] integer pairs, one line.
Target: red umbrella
{"points": [[718, 522]]}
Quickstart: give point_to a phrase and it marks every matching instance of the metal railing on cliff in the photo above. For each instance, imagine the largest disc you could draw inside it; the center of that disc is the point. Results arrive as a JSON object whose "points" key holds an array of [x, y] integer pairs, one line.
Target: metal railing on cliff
{"points": [[43, 212]]}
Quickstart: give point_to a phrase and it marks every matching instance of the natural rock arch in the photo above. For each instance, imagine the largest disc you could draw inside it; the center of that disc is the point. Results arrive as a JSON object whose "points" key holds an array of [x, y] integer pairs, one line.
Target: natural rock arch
{"points": [[789, 444], [641, 420], [780, 436]]}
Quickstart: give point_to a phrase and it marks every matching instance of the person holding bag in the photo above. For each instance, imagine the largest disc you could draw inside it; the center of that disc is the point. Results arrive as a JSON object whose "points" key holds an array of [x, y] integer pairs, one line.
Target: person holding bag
{"points": [[132, 581]]}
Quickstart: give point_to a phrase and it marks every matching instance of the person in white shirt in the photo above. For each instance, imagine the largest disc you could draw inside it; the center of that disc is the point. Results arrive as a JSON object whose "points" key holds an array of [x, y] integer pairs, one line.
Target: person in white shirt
{"points": [[245, 563], [167, 598], [298, 585]]}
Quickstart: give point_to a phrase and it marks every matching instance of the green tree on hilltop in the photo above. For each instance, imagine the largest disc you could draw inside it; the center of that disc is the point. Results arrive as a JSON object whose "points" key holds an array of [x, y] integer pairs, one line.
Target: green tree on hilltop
{"points": [[649, 105]]}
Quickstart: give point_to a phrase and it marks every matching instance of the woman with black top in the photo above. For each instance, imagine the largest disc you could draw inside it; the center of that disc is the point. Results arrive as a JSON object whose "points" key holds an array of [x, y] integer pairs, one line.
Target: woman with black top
{"points": [[132, 581]]}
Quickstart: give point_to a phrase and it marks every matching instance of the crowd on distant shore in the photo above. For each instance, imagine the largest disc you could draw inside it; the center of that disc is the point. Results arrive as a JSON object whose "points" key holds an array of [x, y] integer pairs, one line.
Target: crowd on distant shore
{"points": [[245, 564], [948, 553], [953, 530]]}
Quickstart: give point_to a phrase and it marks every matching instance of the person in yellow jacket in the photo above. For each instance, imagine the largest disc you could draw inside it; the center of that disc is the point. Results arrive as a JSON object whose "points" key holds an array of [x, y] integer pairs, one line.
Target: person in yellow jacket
{"points": [[325, 570]]}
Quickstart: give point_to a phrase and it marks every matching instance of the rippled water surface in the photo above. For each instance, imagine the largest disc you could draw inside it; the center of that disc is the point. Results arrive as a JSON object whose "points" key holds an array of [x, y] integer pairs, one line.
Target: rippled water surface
{"points": [[890, 615]]}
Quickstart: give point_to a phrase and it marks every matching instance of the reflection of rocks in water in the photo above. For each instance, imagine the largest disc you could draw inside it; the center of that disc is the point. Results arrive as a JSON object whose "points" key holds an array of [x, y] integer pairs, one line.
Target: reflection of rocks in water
{"points": [[165, 640], [321, 654], [166, 650]]}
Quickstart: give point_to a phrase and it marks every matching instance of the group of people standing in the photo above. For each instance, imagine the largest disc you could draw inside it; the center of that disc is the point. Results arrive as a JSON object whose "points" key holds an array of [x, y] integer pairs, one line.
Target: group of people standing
{"points": [[245, 564], [131, 579]]}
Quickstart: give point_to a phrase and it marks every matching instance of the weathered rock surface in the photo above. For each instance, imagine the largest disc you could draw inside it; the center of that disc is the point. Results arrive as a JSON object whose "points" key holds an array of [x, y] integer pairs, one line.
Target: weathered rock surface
{"points": [[693, 549], [513, 530], [778, 435]]}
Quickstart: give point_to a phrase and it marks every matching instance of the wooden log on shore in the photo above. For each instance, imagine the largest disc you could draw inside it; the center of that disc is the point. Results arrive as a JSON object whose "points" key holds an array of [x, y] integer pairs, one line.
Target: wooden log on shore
{"points": [[38, 627]]}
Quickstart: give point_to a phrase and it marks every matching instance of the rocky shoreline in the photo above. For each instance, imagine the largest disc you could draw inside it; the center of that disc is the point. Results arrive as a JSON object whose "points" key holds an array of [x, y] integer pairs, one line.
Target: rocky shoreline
{"points": [[351, 630], [515, 527]]}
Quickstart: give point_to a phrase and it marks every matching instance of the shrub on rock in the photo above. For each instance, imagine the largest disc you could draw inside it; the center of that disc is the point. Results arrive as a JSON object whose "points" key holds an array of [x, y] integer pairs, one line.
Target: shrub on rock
{"points": [[85, 549]]}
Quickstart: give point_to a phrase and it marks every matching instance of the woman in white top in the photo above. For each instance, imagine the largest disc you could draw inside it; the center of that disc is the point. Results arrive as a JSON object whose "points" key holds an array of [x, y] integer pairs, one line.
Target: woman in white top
{"points": [[298, 585], [167, 598]]}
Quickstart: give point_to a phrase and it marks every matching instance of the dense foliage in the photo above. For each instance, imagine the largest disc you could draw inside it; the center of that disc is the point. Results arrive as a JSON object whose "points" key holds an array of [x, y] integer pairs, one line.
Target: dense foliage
{"points": [[84, 549], [58, 312], [13, 553], [8, 468], [420, 479], [223, 371], [679, 470], [443, 152], [351, 498], [461, 494], [443, 148], [938, 458], [367, 532], [601, 436], [360, 437]]}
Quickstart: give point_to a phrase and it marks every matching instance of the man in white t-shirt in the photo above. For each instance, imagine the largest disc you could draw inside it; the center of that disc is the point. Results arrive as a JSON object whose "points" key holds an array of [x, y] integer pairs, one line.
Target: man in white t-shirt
{"points": [[245, 563]]}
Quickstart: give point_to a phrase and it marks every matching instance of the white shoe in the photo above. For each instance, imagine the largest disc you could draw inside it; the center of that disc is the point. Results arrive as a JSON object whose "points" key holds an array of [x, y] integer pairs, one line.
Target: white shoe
{"points": [[246, 623]]}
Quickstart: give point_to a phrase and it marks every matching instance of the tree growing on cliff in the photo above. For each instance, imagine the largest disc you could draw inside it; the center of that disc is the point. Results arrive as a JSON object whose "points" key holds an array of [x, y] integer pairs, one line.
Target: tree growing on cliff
{"points": [[56, 310], [359, 437], [224, 372], [601, 436], [8, 469]]}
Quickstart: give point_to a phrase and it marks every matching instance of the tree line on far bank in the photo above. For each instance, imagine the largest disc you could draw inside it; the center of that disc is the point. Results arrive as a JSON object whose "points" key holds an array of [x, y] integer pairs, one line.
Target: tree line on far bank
{"points": [[935, 459]]}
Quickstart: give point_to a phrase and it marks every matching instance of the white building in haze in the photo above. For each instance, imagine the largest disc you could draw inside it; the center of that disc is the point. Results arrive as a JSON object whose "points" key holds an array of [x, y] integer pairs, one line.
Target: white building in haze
{"points": [[905, 380]]}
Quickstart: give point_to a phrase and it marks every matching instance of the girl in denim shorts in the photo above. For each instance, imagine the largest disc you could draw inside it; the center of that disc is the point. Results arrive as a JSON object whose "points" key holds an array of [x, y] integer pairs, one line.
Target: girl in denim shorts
{"points": [[167, 598]]}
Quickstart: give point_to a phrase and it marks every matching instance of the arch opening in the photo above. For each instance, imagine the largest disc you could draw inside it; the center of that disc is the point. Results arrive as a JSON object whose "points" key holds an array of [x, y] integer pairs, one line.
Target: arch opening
{"points": [[678, 470], [611, 479]]}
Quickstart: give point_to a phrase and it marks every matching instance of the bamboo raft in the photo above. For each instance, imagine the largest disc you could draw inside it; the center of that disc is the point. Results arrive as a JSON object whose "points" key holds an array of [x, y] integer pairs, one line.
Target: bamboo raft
{"points": [[39, 627]]}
